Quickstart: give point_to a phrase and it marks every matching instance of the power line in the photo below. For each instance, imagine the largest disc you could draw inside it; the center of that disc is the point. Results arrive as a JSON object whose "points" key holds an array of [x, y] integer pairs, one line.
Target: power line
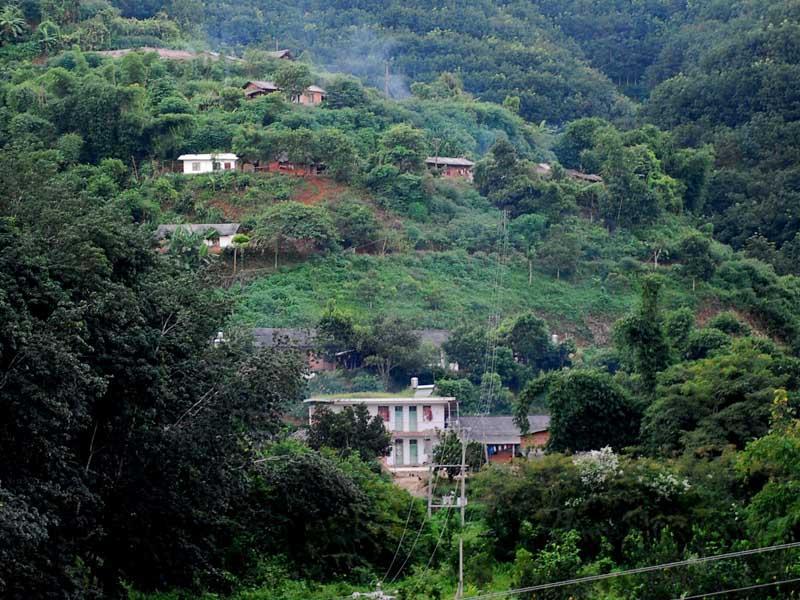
{"points": [[438, 541], [661, 567], [741, 589], [490, 362], [402, 537], [416, 539]]}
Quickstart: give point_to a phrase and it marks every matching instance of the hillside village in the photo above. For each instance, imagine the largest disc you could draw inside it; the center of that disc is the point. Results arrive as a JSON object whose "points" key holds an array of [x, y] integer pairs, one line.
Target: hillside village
{"points": [[399, 300]]}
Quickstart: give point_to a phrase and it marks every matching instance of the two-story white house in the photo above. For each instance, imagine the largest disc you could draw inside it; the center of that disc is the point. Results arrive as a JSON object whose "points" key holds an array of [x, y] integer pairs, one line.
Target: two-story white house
{"points": [[412, 420]]}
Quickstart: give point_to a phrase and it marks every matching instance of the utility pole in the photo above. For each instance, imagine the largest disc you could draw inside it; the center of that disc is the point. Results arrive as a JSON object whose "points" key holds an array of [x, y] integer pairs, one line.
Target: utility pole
{"points": [[386, 80], [463, 503]]}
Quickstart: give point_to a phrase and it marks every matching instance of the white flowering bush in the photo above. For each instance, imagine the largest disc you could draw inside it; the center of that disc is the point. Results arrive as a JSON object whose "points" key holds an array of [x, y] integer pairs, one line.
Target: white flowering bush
{"points": [[666, 485], [597, 467]]}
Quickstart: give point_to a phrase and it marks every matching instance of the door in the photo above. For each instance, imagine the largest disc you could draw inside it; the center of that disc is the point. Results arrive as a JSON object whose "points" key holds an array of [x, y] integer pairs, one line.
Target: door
{"points": [[412, 418], [398, 418], [398, 453], [427, 449], [413, 452]]}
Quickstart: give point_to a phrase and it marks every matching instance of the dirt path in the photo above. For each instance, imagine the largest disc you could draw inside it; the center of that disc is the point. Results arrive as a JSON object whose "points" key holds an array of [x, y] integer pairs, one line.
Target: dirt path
{"points": [[416, 485]]}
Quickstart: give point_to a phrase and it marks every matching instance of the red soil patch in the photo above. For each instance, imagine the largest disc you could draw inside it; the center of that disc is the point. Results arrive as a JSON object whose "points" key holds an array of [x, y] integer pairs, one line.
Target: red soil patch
{"points": [[317, 189], [232, 213]]}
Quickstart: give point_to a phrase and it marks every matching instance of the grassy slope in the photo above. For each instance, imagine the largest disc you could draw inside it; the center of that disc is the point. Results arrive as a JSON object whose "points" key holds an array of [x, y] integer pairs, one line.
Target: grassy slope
{"points": [[437, 289], [472, 287]]}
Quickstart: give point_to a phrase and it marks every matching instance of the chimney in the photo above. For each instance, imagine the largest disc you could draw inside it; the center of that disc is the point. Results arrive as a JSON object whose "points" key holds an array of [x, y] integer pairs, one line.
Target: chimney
{"points": [[414, 383]]}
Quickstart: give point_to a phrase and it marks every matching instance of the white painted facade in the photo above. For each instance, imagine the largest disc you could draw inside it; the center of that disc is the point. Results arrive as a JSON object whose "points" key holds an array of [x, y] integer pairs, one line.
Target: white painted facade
{"points": [[412, 422], [196, 164], [225, 232]]}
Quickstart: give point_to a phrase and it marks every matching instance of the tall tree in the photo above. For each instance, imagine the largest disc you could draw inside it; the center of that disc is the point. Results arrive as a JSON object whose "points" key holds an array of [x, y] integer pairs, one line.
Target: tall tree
{"points": [[351, 430], [640, 336], [292, 226], [589, 411], [390, 344]]}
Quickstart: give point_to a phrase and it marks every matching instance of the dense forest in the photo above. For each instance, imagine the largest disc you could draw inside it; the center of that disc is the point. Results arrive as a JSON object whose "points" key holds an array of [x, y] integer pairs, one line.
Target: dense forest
{"points": [[626, 260]]}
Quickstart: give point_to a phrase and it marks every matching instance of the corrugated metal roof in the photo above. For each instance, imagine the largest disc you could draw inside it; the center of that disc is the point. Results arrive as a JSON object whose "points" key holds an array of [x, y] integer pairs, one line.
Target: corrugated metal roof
{"points": [[268, 337], [478, 428], [287, 54], [167, 53], [424, 391], [220, 228], [449, 161], [435, 337], [583, 176], [263, 85], [220, 156]]}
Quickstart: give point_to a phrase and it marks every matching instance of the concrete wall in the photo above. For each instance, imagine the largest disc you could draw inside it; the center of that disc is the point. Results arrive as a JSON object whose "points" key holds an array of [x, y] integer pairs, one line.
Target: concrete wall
{"points": [[206, 166], [223, 241], [400, 428]]}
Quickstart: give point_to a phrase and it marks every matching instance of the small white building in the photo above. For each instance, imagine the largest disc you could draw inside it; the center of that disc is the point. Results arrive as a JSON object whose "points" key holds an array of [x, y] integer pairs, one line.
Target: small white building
{"points": [[413, 422], [217, 235], [194, 164]]}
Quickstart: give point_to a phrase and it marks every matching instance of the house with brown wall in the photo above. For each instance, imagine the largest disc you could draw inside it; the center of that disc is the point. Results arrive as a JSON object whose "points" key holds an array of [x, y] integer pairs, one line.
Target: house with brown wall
{"points": [[257, 87], [460, 168], [501, 438], [312, 96]]}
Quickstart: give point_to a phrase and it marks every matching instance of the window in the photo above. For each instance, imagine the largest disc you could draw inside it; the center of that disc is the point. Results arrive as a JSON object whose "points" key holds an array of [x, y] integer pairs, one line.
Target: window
{"points": [[412, 418], [216, 166], [228, 166], [383, 413], [427, 414], [195, 166], [398, 418]]}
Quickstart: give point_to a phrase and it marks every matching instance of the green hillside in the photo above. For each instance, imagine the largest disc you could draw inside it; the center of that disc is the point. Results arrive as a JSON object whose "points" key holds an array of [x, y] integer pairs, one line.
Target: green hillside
{"points": [[623, 258]]}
